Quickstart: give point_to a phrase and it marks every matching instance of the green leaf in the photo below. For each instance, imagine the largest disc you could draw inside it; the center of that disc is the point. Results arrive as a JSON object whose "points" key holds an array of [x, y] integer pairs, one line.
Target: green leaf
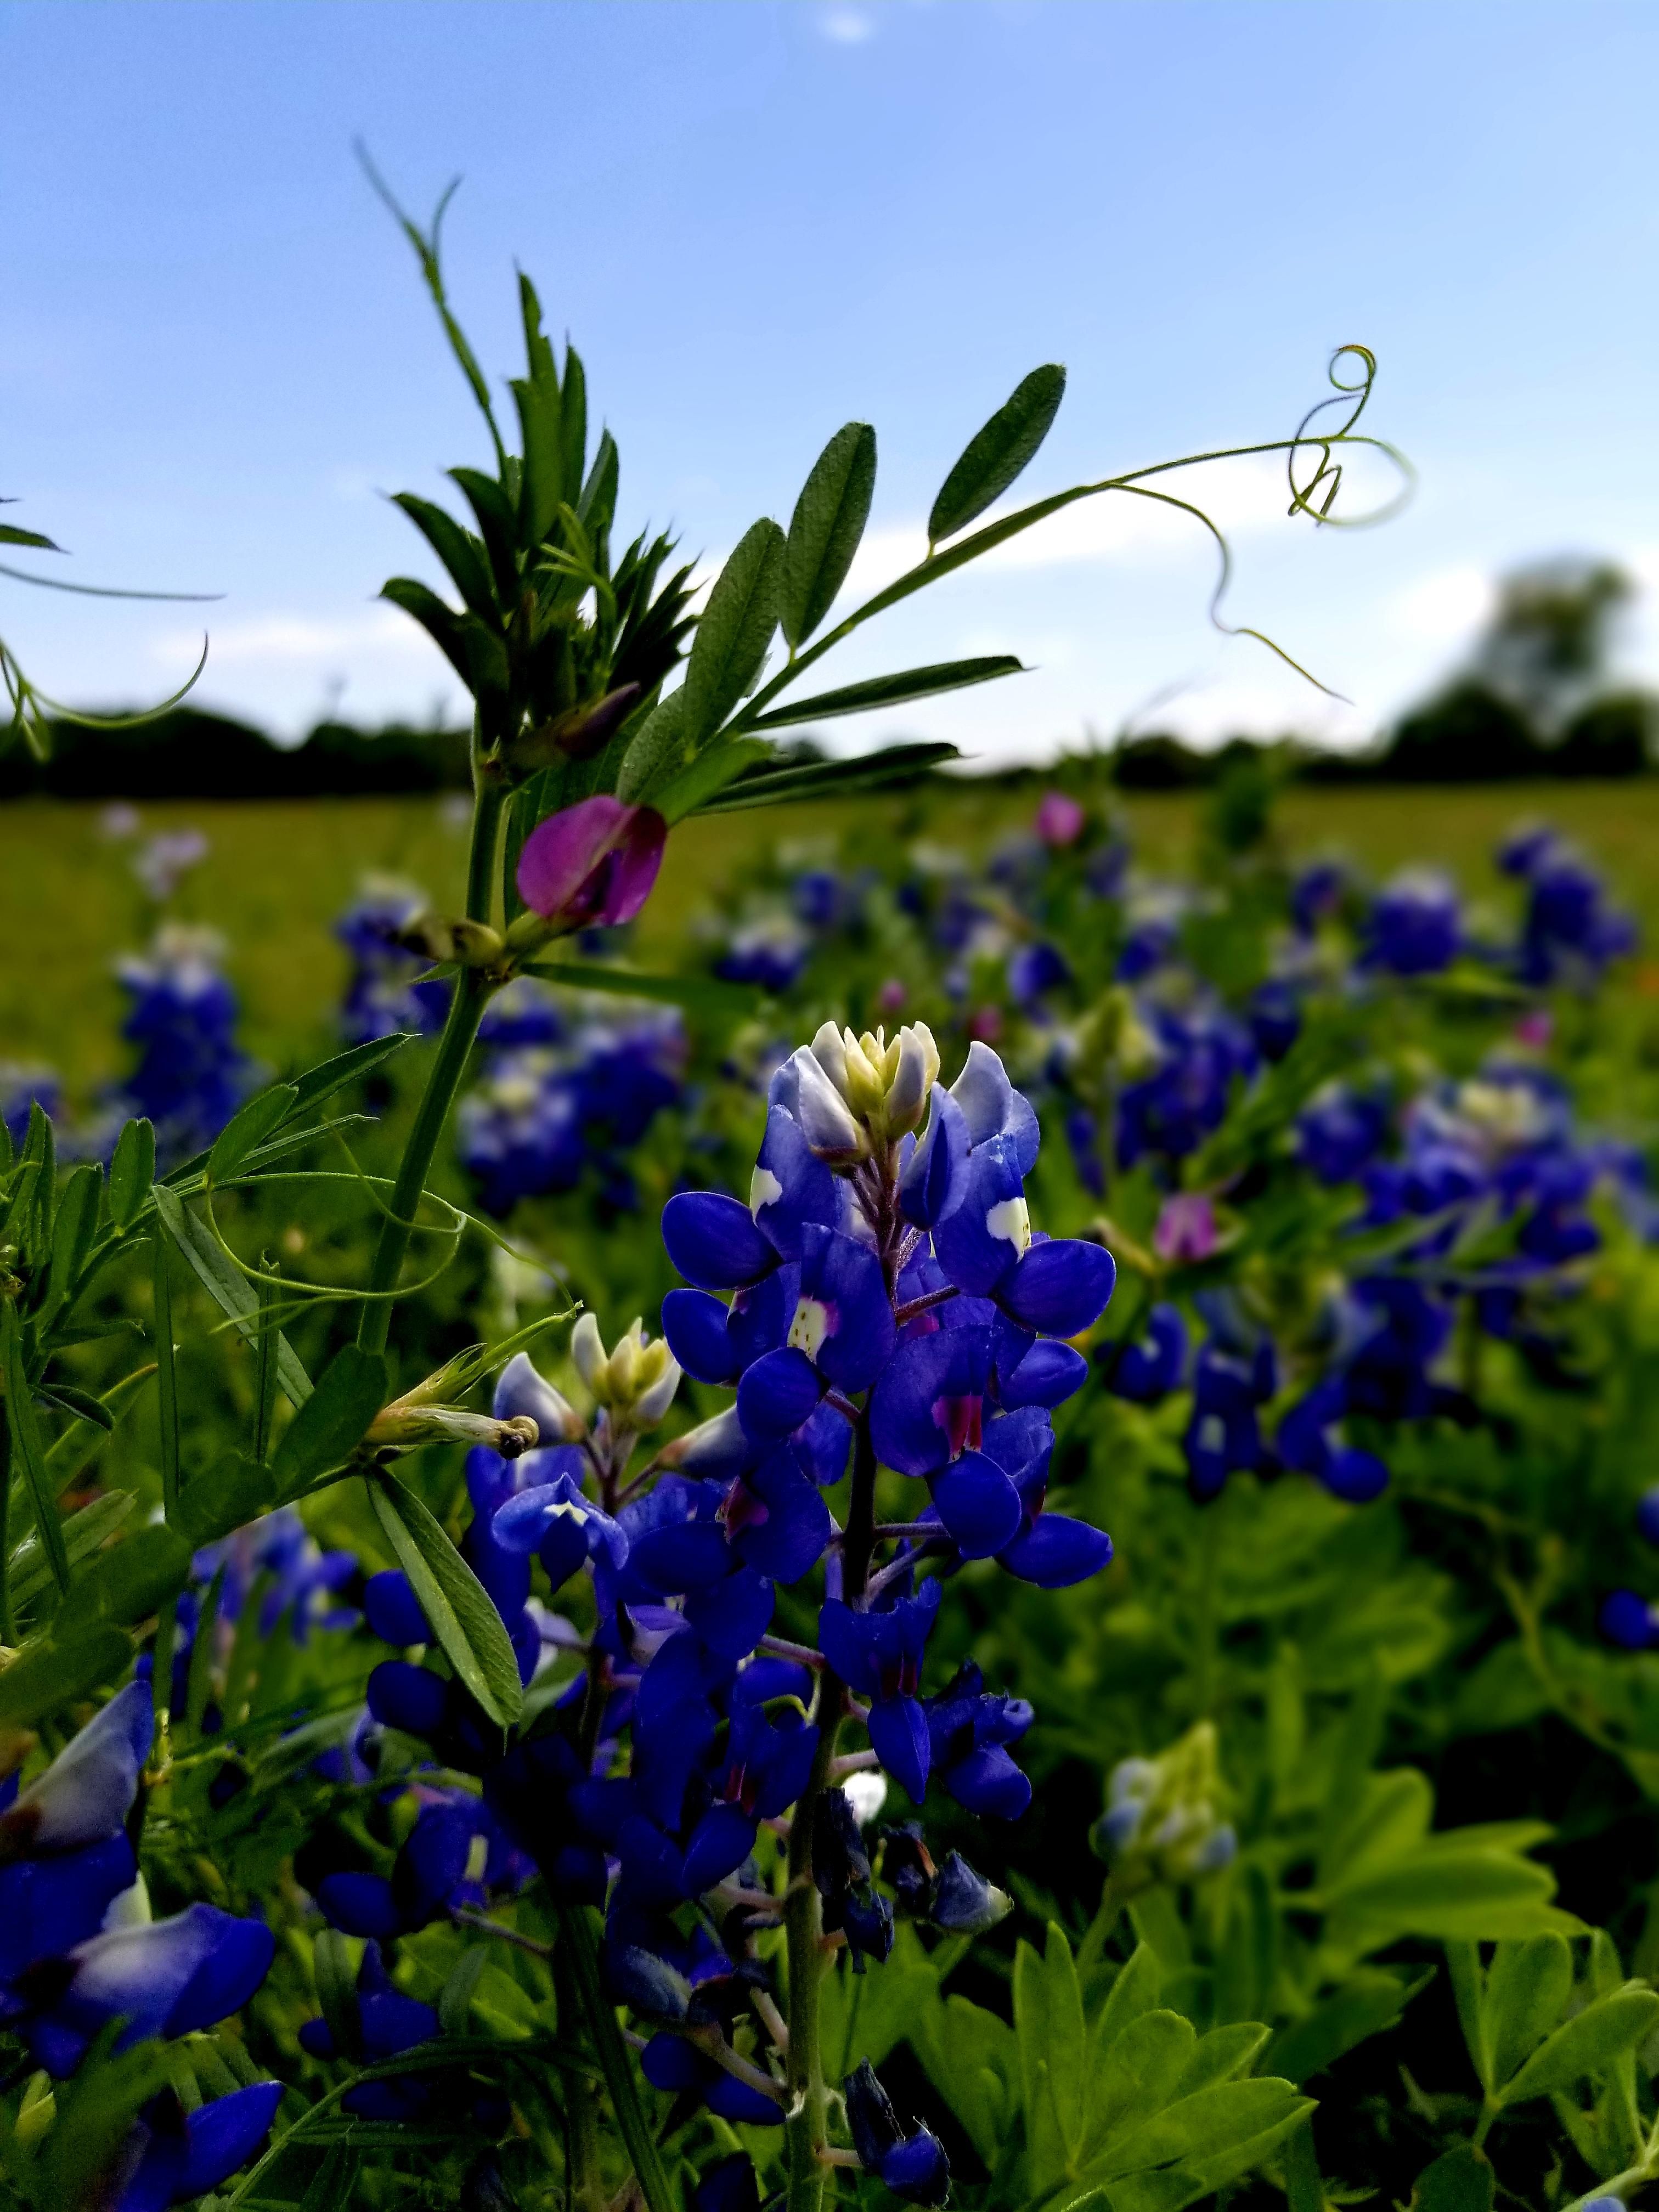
{"points": [[234, 1491], [126, 1583], [1586, 2043], [1221, 2054], [825, 529], [1135, 1991], [463, 1621], [80, 1403], [1528, 1986], [333, 1420], [1136, 2074], [576, 1933], [734, 631], [995, 455], [455, 2004], [462, 554], [1482, 1895], [83, 1532], [441, 622], [1203, 2126], [320, 1082], [710, 773], [1064, 2046], [656, 753], [166, 1377], [1460, 2180], [26, 1451], [837, 779], [46, 1674], [703, 995], [334, 1972], [71, 1239], [131, 1172], [249, 1127], [12, 534], [226, 1285], [1470, 1995], [895, 690]]}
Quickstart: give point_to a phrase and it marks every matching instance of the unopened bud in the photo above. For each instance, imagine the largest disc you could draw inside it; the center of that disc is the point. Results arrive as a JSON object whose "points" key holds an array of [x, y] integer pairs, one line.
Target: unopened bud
{"points": [[405, 1424], [437, 938], [883, 1088], [636, 1383], [1160, 1822]]}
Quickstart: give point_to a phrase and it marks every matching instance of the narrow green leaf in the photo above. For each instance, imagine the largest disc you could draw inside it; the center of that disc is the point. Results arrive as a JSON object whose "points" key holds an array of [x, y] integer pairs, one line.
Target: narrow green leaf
{"points": [[44, 1676], [131, 1172], [455, 2004], [462, 554], [333, 1420], [34, 1231], [576, 1933], [572, 424], [896, 690], [542, 481], [227, 1287], [264, 1373], [70, 1454], [11, 533], [734, 631], [320, 1082], [996, 454], [713, 770], [80, 1403], [250, 1126], [1222, 2054], [26, 1451], [83, 1532], [167, 1379], [1203, 2126], [441, 622], [598, 503], [463, 1621], [837, 779], [1586, 2043], [1067, 2042], [126, 1582], [1467, 1980], [656, 753], [701, 994], [825, 529], [73, 1230]]}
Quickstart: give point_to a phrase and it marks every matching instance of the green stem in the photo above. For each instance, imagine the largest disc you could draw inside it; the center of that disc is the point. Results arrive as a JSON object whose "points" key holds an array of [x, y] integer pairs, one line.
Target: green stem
{"points": [[584, 2178], [1208, 1623], [454, 1046], [807, 2123], [8, 1631]]}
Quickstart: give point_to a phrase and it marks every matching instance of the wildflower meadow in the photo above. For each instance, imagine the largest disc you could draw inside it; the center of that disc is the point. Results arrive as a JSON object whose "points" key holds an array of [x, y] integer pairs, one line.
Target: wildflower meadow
{"points": [[978, 1527]]}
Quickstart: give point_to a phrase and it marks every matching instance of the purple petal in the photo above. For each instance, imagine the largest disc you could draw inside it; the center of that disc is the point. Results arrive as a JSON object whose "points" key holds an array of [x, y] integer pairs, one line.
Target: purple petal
{"points": [[593, 862], [978, 1504], [714, 1242], [1060, 1288], [898, 1735], [1056, 1552]]}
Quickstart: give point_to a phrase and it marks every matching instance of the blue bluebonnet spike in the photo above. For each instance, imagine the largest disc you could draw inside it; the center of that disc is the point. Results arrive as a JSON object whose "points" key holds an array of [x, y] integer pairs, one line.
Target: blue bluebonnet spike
{"points": [[392, 1610], [987, 1227], [1274, 1013], [714, 1241], [1647, 1516], [49, 1905], [1146, 1371], [87, 1790], [1223, 1437], [878, 1655], [1340, 1131], [163, 1977], [1060, 1288], [173, 2157], [1415, 926], [1306, 1442], [1036, 1372], [792, 1186], [913, 2166], [992, 1110], [925, 1185], [970, 1729], [843, 1319]]}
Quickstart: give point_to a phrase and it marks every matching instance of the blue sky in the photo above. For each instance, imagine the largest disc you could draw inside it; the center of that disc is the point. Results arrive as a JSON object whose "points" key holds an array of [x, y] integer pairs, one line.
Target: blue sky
{"points": [[758, 218]]}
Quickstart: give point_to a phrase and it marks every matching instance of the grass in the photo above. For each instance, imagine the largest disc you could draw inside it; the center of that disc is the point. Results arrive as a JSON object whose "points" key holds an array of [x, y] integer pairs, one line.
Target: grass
{"points": [[278, 872]]}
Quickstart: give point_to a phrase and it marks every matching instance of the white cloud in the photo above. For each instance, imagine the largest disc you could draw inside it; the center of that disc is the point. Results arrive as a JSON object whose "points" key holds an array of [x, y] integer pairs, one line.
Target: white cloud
{"points": [[292, 640], [847, 26], [1445, 608]]}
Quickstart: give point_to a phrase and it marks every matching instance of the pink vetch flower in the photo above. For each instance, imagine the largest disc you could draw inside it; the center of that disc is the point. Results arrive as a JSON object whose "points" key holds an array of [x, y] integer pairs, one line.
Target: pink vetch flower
{"points": [[1535, 1028], [593, 862], [1059, 819], [891, 996], [1186, 1228], [984, 1024]]}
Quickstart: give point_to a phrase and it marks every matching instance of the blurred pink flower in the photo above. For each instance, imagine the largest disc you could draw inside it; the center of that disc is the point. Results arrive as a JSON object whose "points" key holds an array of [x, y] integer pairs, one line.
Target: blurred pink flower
{"points": [[1186, 1228], [891, 995], [1059, 819], [1535, 1028], [985, 1024], [594, 862]]}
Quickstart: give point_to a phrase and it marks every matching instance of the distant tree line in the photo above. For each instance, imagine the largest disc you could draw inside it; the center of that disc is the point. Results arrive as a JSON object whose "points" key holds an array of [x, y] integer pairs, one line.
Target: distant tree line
{"points": [[1536, 698], [188, 753]]}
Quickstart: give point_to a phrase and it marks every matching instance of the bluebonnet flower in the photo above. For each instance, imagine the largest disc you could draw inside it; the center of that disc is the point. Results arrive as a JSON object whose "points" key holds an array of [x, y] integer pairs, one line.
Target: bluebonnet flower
{"points": [[277, 1557], [546, 1111], [384, 993], [1200, 1052], [1161, 1822], [951, 1896], [1629, 1621], [1235, 1374], [1146, 1369], [1035, 970], [730, 2184], [969, 1731], [455, 1856], [172, 2156], [1570, 932], [913, 2166], [1274, 1014], [1415, 924], [1341, 1130], [191, 1076], [770, 952], [851, 1905], [1317, 892]]}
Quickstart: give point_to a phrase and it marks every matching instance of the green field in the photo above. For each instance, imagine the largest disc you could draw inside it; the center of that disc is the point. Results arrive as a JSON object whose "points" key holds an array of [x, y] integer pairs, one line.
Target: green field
{"points": [[278, 873]]}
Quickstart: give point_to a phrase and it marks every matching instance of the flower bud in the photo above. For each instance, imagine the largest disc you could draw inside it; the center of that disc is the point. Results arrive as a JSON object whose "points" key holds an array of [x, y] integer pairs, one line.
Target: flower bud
{"points": [[407, 1423], [1160, 1822], [881, 1089], [635, 1384]]}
